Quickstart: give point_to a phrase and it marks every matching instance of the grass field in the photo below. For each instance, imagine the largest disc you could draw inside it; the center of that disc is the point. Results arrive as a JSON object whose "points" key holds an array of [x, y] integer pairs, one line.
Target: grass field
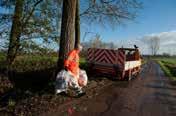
{"points": [[34, 62], [168, 65], [29, 69]]}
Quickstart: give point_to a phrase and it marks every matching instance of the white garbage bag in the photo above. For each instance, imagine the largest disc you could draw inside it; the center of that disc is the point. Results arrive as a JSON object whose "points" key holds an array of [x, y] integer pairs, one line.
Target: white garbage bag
{"points": [[65, 80], [82, 78], [61, 80]]}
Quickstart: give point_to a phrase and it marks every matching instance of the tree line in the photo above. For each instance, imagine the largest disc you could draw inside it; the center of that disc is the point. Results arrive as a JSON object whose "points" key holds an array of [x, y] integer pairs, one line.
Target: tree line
{"points": [[57, 21]]}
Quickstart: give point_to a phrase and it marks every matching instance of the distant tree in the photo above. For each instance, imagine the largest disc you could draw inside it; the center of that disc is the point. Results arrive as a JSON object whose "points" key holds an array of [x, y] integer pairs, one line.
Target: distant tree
{"points": [[154, 45], [166, 54], [111, 45], [96, 42]]}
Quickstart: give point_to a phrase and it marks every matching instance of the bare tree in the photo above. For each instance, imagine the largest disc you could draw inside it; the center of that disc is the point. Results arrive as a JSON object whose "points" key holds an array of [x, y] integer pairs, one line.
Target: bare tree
{"points": [[96, 42], [109, 12], [106, 12], [112, 45], [154, 45]]}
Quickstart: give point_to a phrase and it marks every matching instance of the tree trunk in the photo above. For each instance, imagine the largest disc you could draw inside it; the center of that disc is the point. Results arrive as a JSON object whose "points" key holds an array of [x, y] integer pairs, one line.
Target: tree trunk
{"points": [[77, 25], [67, 31], [15, 33]]}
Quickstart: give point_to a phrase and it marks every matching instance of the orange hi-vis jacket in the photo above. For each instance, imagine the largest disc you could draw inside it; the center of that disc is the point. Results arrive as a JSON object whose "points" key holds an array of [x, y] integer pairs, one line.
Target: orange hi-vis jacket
{"points": [[72, 62]]}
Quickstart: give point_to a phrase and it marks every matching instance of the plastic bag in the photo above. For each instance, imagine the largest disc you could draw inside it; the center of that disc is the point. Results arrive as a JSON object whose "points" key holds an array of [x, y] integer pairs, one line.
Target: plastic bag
{"points": [[61, 80], [82, 78], [65, 79]]}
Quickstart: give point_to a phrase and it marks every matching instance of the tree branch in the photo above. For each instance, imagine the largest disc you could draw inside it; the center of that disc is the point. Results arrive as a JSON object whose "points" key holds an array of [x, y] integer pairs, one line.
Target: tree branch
{"points": [[30, 14]]}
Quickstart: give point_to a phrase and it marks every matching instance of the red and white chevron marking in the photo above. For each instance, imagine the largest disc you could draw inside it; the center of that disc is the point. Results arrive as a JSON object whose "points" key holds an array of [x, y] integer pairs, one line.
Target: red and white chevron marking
{"points": [[102, 56], [90, 53], [121, 57]]}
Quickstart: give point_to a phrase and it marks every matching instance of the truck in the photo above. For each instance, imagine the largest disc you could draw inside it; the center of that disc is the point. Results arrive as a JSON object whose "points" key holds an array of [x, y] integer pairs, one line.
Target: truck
{"points": [[122, 63]]}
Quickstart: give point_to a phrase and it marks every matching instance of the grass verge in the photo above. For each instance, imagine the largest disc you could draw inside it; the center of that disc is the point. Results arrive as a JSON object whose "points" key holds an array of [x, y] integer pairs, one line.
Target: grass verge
{"points": [[168, 65], [166, 70]]}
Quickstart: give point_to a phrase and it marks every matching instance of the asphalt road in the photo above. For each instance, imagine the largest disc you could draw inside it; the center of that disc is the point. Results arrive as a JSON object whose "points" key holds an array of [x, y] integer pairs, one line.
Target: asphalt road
{"points": [[150, 94]]}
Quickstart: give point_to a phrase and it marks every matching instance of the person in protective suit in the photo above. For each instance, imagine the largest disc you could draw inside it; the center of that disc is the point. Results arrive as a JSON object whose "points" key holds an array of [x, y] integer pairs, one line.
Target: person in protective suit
{"points": [[75, 77]]}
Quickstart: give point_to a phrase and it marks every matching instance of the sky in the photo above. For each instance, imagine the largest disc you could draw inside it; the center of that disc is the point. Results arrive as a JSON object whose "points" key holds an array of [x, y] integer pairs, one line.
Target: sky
{"points": [[156, 18]]}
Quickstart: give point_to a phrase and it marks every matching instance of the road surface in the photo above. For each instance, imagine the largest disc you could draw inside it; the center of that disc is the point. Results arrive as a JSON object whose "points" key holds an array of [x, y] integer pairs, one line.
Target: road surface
{"points": [[150, 94]]}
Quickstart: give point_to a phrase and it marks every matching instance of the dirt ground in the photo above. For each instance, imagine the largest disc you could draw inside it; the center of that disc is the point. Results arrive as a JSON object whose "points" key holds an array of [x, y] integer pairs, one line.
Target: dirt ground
{"points": [[150, 94]]}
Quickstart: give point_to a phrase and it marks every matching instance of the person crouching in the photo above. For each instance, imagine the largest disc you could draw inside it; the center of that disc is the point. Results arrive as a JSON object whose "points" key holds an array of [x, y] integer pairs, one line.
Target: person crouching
{"points": [[72, 77]]}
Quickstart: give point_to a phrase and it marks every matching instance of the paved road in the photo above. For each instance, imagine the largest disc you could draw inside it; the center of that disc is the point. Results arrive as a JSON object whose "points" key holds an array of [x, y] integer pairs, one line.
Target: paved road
{"points": [[151, 94]]}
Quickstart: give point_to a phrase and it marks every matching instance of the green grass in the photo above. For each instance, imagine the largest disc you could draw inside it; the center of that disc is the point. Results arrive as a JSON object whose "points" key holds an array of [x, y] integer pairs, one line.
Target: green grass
{"points": [[168, 65], [83, 63], [144, 61], [34, 62], [166, 70], [82, 60]]}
